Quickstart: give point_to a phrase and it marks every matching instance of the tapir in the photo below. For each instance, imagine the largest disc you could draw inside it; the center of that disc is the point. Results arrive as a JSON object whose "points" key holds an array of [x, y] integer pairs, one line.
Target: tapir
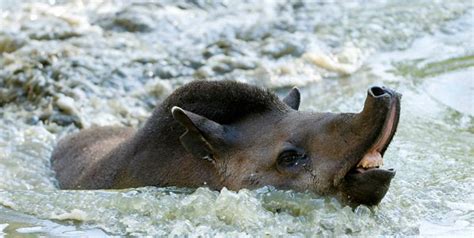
{"points": [[229, 134]]}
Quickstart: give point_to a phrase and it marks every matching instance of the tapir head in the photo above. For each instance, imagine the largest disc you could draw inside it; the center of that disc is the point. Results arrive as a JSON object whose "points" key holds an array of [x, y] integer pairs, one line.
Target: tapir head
{"points": [[338, 154]]}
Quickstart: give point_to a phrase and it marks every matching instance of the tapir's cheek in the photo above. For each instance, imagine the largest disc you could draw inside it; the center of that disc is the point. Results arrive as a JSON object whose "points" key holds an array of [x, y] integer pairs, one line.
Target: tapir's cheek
{"points": [[325, 171]]}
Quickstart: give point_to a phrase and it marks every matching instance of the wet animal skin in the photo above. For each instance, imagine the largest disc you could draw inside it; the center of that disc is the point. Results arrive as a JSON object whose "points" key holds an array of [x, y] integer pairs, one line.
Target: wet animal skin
{"points": [[234, 135]]}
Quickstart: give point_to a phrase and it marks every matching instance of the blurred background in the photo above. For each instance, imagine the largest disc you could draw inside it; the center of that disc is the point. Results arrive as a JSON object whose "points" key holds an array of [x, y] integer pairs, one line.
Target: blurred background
{"points": [[68, 65]]}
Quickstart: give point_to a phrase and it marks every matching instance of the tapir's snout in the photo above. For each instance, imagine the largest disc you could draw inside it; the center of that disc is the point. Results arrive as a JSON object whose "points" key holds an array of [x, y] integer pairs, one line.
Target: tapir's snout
{"points": [[377, 92], [364, 181], [379, 98]]}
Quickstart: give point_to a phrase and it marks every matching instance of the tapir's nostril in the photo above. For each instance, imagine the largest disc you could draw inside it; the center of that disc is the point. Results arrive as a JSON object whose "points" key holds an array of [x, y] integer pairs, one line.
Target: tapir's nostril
{"points": [[377, 91]]}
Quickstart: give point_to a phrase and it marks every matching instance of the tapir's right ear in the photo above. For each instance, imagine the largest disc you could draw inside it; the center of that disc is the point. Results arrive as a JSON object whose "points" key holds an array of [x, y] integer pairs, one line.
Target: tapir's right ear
{"points": [[293, 98], [203, 137]]}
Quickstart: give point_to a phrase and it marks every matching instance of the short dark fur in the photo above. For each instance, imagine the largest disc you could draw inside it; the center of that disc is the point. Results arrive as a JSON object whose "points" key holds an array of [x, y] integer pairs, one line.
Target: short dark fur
{"points": [[221, 101], [160, 135], [234, 135]]}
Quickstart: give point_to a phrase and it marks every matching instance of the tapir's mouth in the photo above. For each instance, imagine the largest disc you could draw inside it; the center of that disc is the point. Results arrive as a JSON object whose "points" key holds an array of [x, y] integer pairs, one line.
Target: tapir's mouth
{"points": [[373, 159], [366, 182]]}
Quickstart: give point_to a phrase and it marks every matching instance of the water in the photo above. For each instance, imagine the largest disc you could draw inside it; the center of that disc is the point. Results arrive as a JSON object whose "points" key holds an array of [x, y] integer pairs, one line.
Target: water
{"points": [[67, 65]]}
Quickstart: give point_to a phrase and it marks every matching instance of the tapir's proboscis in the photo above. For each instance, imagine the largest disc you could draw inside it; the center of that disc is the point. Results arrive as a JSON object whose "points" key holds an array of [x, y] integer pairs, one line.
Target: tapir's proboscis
{"points": [[228, 134]]}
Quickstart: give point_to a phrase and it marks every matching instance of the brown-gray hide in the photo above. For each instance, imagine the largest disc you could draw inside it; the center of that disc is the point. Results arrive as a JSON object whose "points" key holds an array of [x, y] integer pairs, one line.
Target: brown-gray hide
{"points": [[229, 134]]}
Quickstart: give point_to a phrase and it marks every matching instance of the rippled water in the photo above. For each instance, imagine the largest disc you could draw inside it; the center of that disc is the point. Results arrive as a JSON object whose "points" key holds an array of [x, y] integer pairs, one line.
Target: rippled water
{"points": [[68, 65]]}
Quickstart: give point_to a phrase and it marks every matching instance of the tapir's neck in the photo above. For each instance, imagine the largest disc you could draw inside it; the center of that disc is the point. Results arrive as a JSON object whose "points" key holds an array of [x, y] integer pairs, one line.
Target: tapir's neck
{"points": [[156, 158]]}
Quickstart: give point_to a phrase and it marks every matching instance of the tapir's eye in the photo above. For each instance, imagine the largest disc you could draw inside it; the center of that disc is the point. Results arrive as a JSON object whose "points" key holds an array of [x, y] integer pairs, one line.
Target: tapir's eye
{"points": [[291, 161]]}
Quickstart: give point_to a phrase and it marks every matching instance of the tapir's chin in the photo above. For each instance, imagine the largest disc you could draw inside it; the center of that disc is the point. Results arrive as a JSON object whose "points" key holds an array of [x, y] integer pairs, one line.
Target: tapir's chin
{"points": [[365, 182], [366, 187]]}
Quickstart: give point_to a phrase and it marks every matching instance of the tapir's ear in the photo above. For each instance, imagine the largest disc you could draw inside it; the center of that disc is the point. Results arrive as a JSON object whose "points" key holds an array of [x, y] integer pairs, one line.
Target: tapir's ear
{"points": [[202, 137], [293, 98]]}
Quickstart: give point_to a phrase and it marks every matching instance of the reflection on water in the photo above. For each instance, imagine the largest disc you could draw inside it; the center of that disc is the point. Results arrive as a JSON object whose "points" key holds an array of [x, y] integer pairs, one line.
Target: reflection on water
{"points": [[75, 64]]}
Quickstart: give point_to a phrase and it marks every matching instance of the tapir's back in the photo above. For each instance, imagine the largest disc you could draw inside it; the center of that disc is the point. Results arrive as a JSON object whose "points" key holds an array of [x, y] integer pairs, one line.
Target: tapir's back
{"points": [[76, 154]]}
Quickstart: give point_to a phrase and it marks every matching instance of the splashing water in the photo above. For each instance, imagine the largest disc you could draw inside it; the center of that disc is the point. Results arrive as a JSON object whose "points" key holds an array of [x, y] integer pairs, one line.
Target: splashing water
{"points": [[68, 65]]}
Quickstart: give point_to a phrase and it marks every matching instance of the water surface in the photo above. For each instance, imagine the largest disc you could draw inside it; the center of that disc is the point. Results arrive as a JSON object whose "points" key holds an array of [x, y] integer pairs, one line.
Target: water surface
{"points": [[69, 65]]}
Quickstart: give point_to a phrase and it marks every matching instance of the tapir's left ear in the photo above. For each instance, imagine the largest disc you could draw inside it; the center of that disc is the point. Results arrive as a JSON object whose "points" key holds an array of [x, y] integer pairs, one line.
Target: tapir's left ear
{"points": [[203, 136], [293, 98]]}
